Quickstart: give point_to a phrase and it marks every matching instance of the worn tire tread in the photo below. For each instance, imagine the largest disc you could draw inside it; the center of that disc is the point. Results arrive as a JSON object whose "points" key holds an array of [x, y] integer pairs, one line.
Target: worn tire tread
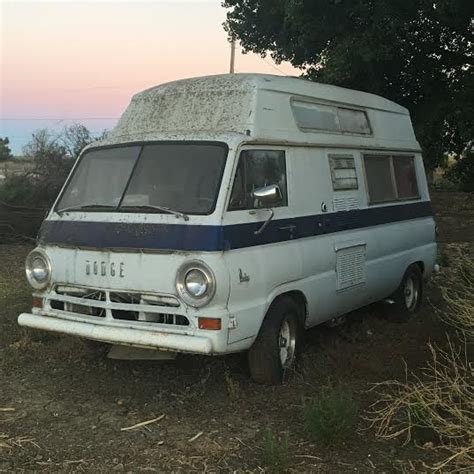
{"points": [[264, 361]]}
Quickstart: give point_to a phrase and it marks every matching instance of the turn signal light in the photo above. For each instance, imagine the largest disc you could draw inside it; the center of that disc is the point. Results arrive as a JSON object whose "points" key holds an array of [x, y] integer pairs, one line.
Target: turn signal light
{"points": [[37, 302], [211, 324]]}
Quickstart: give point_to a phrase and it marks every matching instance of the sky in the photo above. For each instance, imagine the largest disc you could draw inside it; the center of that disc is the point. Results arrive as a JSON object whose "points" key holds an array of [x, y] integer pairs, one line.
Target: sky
{"points": [[81, 61]]}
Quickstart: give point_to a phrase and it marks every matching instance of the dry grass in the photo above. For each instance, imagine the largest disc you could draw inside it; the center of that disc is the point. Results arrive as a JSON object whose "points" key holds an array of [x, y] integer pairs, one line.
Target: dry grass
{"points": [[438, 402], [435, 407], [457, 290], [9, 443]]}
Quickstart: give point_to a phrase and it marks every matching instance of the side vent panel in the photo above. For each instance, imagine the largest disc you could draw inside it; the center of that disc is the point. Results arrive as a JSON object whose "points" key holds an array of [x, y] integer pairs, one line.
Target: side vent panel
{"points": [[348, 203], [350, 266]]}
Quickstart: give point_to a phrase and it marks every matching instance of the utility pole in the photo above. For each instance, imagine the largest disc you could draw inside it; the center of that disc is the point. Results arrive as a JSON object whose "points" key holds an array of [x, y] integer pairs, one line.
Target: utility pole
{"points": [[232, 55]]}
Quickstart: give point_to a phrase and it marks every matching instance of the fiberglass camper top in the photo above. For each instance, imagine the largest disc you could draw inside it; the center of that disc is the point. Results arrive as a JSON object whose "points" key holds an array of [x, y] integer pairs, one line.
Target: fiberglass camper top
{"points": [[254, 107]]}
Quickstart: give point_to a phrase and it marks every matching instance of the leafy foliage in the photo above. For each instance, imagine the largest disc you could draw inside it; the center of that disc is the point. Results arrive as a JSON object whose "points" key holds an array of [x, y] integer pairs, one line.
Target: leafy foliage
{"points": [[462, 173], [416, 53], [5, 152], [331, 417]]}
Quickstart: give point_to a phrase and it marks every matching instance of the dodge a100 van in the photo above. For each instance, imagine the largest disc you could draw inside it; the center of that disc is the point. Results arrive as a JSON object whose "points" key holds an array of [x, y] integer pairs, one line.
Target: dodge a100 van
{"points": [[228, 213]]}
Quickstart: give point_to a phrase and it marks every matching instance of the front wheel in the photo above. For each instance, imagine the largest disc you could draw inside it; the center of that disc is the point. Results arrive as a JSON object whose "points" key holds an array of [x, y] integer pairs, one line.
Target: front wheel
{"points": [[409, 295], [278, 342]]}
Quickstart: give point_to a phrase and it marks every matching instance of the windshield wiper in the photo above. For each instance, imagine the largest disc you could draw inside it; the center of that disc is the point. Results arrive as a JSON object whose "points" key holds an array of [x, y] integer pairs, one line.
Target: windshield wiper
{"points": [[85, 207], [159, 208]]}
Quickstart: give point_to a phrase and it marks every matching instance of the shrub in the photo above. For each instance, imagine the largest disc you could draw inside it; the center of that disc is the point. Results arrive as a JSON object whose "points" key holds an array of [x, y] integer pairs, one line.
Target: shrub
{"points": [[276, 452], [53, 156], [332, 416], [30, 191]]}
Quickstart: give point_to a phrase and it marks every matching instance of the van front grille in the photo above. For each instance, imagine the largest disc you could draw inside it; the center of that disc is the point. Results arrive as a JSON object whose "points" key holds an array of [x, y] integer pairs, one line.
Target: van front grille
{"points": [[116, 305]]}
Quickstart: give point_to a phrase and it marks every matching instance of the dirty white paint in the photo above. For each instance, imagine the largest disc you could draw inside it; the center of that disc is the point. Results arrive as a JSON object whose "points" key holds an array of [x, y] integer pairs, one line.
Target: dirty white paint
{"points": [[213, 105]]}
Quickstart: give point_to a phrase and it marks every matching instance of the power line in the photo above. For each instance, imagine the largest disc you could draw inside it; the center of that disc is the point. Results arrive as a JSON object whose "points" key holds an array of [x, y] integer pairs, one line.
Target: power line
{"points": [[274, 66], [59, 119], [23, 135]]}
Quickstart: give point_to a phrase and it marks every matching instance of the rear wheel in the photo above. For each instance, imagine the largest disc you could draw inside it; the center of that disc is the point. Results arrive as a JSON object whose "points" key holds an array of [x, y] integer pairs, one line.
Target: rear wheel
{"points": [[278, 342], [409, 295]]}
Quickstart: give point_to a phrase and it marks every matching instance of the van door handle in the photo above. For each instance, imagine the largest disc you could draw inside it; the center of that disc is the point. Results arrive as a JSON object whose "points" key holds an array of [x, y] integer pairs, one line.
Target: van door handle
{"points": [[323, 225], [290, 228]]}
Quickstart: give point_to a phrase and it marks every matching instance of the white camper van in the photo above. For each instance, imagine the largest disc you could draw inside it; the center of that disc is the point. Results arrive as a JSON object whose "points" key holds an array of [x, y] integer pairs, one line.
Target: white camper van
{"points": [[228, 213]]}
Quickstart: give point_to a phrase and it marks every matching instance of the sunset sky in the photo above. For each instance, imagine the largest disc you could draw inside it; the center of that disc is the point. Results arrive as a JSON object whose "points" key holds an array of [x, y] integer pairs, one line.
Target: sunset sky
{"points": [[81, 61]]}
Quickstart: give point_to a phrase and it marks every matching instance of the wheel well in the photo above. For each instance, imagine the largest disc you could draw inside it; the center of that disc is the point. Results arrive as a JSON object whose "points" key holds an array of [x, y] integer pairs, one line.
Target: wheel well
{"points": [[299, 298], [421, 265]]}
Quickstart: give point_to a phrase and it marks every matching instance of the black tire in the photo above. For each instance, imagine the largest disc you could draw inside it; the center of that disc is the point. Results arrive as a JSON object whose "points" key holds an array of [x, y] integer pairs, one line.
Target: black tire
{"points": [[409, 295], [264, 357]]}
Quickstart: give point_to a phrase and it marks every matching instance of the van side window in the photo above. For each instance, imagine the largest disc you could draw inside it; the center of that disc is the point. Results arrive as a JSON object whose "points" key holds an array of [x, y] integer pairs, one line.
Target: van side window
{"points": [[343, 172], [405, 177], [256, 169], [390, 178]]}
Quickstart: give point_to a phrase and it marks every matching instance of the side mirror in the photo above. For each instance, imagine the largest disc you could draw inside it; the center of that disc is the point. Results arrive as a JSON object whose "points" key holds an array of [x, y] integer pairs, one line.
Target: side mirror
{"points": [[268, 195]]}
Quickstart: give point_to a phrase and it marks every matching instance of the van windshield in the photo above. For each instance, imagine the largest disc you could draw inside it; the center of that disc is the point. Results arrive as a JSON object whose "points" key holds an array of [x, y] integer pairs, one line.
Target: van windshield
{"points": [[177, 177]]}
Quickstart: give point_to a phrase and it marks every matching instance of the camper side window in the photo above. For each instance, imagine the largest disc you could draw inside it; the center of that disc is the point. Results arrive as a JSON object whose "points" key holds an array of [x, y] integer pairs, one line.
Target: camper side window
{"points": [[405, 177], [390, 178], [343, 172], [256, 169]]}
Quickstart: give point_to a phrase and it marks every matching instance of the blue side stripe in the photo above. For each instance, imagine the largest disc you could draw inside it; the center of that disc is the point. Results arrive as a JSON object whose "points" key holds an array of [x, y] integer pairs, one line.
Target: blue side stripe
{"points": [[210, 238]]}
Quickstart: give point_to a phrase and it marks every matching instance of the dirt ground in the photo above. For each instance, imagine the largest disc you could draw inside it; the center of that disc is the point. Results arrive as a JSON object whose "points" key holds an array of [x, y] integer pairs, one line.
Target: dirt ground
{"points": [[62, 408]]}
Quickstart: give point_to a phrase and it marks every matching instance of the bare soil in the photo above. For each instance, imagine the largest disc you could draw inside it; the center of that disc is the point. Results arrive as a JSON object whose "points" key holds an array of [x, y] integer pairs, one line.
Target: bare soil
{"points": [[62, 408]]}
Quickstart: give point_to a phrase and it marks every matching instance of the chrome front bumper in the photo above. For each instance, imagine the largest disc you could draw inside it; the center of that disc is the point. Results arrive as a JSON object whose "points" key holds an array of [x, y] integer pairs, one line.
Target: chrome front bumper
{"points": [[119, 335]]}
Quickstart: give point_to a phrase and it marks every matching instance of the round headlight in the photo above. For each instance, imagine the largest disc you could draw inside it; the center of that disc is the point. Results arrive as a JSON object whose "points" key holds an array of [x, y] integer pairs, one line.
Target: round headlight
{"points": [[195, 283], [38, 269]]}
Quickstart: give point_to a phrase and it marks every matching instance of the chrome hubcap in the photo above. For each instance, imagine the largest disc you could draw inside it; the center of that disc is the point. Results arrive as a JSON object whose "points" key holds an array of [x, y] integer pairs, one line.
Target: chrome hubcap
{"points": [[287, 343], [411, 293]]}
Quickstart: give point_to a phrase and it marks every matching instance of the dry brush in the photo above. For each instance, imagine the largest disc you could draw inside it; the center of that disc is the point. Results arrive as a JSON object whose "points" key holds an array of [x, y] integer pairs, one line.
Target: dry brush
{"points": [[434, 407]]}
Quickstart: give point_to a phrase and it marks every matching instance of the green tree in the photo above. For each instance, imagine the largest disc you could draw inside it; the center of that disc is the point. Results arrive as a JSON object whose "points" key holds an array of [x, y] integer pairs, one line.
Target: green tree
{"points": [[462, 172], [5, 152], [417, 53]]}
